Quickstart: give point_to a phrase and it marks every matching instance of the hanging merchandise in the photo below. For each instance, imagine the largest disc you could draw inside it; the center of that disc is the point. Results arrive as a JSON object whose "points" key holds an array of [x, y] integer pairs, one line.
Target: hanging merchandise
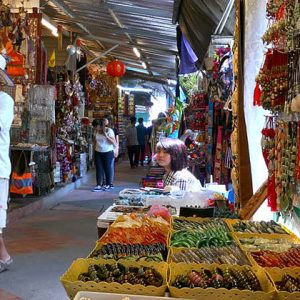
{"points": [[277, 90], [272, 81], [220, 116], [70, 141], [268, 150], [195, 136], [21, 178], [286, 162], [173, 119], [102, 93], [209, 117]]}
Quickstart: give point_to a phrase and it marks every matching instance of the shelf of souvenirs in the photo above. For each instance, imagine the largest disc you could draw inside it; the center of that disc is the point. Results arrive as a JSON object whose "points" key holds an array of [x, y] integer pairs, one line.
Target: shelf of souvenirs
{"points": [[29, 147]]}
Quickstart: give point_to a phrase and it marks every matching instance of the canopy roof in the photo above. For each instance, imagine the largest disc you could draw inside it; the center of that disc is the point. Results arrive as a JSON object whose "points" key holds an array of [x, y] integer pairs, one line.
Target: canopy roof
{"points": [[148, 25]]}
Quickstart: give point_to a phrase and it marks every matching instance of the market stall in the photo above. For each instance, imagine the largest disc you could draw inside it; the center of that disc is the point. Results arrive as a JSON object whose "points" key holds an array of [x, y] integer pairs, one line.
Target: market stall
{"points": [[189, 258]]}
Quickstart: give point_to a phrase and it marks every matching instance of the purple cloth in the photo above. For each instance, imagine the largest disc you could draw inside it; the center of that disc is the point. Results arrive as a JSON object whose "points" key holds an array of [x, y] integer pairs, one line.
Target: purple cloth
{"points": [[187, 57]]}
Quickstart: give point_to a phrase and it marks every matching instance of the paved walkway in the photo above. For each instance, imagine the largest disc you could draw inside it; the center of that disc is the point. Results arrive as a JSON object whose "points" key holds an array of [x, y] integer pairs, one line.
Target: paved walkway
{"points": [[44, 244]]}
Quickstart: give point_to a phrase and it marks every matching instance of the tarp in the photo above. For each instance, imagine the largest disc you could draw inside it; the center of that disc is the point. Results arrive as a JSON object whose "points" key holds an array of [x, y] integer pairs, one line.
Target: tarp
{"points": [[198, 20]]}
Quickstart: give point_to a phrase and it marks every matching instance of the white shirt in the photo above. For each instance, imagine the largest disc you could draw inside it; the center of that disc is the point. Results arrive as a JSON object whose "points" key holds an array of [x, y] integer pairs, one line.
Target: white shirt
{"points": [[102, 143], [184, 179], [6, 119]]}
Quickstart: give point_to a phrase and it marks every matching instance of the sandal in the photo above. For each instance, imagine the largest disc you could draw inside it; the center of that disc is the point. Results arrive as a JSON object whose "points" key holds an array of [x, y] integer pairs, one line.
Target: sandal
{"points": [[4, 265]]}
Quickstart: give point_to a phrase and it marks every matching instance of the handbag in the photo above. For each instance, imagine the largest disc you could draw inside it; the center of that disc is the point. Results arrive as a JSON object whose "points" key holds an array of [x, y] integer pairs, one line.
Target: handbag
{"points": [[21, 178]]}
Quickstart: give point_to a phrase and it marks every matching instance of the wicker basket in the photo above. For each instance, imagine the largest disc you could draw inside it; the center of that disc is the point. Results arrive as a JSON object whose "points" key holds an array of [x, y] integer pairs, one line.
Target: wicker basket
{"points": [[173, 250], [72, 285], [99, 246], [276, 274], [222, 293], [237, 238], [231, 222]]}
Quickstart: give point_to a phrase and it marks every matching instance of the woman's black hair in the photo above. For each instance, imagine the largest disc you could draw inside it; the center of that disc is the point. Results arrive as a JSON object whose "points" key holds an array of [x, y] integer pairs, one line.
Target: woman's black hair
{"points": [[178, 151], [95, 122]]}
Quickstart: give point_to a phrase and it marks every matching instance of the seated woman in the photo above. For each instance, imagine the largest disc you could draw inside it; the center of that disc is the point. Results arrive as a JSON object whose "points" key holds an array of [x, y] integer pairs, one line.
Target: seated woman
{"points": [[172, 155]]}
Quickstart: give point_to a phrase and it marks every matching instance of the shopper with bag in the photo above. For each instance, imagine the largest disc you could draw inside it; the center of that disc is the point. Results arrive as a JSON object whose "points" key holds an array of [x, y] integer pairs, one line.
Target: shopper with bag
{"points": [[6, 118]]}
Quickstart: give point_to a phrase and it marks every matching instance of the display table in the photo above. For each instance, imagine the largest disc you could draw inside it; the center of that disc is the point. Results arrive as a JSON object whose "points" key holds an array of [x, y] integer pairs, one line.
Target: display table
{"points": [[103, 222], [188, 258], [109, 216]]}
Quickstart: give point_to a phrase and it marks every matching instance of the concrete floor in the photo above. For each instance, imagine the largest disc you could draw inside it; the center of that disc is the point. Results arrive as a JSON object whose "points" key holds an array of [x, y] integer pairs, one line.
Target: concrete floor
{"points": [[44, 244]]}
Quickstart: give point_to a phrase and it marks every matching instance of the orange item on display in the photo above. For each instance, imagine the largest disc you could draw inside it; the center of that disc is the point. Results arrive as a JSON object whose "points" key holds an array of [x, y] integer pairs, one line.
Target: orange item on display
{"points": [[16, 66], [9, 48]]}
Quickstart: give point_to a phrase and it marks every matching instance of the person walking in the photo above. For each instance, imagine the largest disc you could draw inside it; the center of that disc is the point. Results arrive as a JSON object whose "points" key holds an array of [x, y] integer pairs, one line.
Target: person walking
{"points": [[141, 136], [104, 157], [149, 134], [109, 122], [132, 143], [6, 119]]}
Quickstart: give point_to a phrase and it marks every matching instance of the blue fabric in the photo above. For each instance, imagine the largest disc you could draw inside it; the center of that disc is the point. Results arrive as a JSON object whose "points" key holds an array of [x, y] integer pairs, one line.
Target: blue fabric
{"points": [[21, 183], [141, 133], [187, 57]]}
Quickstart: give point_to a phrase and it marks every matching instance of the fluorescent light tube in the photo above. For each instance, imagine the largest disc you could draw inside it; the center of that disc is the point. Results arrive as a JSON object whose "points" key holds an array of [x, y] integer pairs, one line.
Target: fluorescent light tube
{"points": [[136, 52], [144, 65]]}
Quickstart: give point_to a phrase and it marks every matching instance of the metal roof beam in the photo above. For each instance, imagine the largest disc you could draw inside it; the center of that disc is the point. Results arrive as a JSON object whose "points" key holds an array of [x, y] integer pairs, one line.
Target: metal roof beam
{"points": [[224, 18], [62, 6], [141, 11]]}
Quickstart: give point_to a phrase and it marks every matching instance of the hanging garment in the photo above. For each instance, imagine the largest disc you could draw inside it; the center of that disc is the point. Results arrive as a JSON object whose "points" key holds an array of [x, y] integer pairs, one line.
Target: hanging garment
{"points": [[218, 157]]}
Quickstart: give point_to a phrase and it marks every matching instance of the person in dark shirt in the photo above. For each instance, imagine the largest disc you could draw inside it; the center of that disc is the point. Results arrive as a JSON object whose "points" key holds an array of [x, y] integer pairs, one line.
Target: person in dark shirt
{"points": [[149, 133], [141, 135]]}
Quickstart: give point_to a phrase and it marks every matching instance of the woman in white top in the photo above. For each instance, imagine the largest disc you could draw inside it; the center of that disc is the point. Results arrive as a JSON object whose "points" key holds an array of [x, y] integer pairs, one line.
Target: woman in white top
{"points": [[172, 155], [104, 156]]}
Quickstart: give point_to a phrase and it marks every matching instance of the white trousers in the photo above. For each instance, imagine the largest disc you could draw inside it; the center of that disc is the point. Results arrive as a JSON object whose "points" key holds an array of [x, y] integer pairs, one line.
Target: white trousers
{"points": [[4, 186]]}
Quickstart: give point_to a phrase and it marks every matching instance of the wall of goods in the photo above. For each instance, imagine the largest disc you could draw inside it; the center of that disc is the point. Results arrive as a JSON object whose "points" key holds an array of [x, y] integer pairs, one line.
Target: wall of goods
{"points": [[47, 125], [277, 90], [34, 104], [209, 116], [192, 258]]}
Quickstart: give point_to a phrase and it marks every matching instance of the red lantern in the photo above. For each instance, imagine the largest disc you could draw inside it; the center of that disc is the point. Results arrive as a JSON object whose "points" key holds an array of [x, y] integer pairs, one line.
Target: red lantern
{"points": [[115, 68]]}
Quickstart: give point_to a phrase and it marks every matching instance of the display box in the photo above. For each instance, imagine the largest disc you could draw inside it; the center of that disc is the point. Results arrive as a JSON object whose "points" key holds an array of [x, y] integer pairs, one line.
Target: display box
{"points": [[238, 237], [199, 220], [72, 285], [232, 222], [276, 275], [99, 245], [267, 293], [173, 250]]}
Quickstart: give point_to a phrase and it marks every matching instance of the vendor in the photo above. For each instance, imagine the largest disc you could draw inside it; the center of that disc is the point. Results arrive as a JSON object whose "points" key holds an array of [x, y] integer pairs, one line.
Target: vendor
{"points": [[172, 155]]}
